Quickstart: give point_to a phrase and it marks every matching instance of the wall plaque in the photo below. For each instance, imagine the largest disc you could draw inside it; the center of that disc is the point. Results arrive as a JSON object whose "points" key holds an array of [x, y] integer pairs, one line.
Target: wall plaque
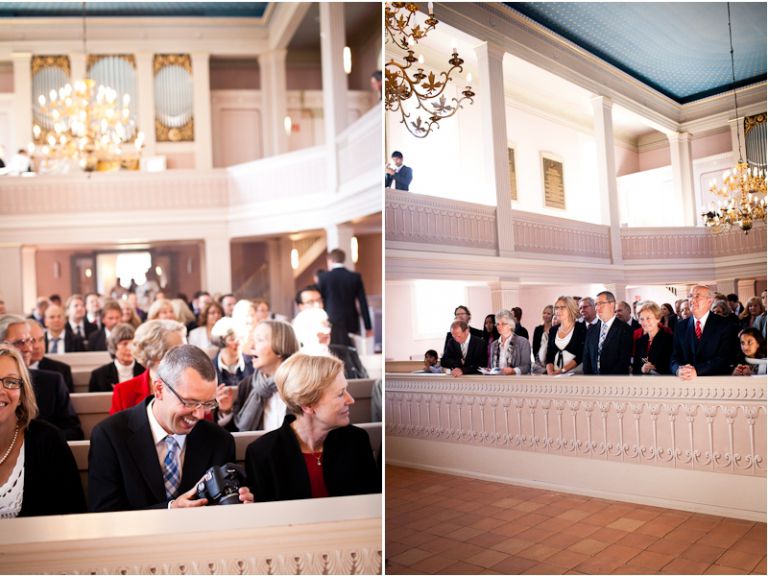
{"points": [[554, 191]]}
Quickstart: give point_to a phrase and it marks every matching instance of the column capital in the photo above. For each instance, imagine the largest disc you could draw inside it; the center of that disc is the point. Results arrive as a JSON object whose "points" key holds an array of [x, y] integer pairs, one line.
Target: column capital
{"points": [[675, 137], [495, 51], [604, 101]]}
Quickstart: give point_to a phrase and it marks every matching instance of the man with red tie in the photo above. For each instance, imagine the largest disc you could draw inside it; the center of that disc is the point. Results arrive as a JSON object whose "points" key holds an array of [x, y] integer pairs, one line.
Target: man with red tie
{"points": [[704, 344]]}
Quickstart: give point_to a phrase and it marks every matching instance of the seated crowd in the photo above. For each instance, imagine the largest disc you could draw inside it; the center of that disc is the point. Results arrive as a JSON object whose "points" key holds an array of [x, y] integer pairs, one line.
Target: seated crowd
{"points": [[182, 378], [706, 334]]}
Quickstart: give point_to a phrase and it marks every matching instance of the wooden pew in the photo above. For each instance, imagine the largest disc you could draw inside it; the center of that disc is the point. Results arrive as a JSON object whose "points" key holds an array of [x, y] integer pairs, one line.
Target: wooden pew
{"points": [[242, 440], [82, 364], [93, 407], [401, 366]]}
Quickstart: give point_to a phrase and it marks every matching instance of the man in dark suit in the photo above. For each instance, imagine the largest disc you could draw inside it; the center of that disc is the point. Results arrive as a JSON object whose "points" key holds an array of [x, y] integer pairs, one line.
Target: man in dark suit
{"points": [[705, 344], [462, 313], [51, 393], [58, 340], [608, 345], [519, 330], [42, 362], [624, 313], [77, 323], [340, 289], [464, 353], [401, 174], [111, 313], [135, 457]]}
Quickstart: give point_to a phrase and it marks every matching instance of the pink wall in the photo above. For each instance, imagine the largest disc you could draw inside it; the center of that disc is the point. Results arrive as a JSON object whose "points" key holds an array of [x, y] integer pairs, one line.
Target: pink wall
{"points": [[235, 75], [654, 158], [180, 161], [6, 78], [369, 262], [304, 77], [47, 284], [711, 144], [627, 160]]}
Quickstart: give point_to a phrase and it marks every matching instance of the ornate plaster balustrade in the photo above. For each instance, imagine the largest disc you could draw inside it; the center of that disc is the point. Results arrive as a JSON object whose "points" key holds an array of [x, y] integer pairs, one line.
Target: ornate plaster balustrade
{"points": [[546, 235], [709, 430], [114, 192], [427, 220], [319, 536], [665, 243]]}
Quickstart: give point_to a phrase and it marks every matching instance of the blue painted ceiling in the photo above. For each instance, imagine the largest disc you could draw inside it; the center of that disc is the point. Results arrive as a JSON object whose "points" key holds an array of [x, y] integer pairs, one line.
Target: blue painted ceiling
{"points": [[678, 48], [133, 9]]}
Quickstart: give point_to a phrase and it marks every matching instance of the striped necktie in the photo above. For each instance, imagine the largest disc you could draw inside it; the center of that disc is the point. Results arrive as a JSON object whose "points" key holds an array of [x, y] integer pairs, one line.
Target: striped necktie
{"points": [[698, 330], [603, 334]]}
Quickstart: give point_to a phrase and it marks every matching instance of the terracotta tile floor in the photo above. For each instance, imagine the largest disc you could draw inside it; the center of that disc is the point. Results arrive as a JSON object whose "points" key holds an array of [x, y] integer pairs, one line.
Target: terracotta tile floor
{"points": [[440, 524]]}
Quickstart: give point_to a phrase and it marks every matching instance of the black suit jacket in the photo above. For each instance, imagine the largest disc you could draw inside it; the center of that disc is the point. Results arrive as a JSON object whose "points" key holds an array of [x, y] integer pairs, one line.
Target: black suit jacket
{"points": [[89, 327], [714, 354], [51, 479], [521, 331], [53, 403], [124, 472], [477, 355], [104, 378], [402, 178], [61, 367], [276, 469], [658, 355], [72, 342], [340, 289], [97, 340], [617, 349]]}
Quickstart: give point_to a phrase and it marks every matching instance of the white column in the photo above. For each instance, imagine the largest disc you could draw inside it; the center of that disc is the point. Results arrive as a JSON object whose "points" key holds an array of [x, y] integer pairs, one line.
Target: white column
{"points": [[504, 294], [494, 128], [340, 236], [274, 94], [201, 86], [22, 101], [606, 168], [334, 83], [217, 275], [726, 285], [619, 291], [682, 174], [28, 277], [746, 289], [11, 289], [146, 101]]}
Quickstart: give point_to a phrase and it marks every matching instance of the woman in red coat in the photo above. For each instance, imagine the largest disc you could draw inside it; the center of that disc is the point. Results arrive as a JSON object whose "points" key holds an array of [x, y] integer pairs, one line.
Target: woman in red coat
{"points": [[152, 342]]}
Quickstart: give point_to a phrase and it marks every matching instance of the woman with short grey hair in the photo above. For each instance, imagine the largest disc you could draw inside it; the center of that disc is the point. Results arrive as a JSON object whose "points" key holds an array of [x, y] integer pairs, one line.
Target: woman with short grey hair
{"points": [[510, 354], [123, 366]]}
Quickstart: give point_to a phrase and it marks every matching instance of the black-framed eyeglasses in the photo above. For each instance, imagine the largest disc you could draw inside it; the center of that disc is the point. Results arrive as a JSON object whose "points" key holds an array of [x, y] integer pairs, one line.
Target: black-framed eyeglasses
{"points": [[11, 383], [192, 404]]}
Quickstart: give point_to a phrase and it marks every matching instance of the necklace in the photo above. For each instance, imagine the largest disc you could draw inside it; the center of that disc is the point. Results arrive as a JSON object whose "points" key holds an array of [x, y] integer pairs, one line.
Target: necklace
{"points": [[13, 443], [319, 457]]}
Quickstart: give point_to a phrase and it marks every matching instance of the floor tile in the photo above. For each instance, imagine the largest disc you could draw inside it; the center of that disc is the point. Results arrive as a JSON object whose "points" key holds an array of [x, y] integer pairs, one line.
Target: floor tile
{"points": [[702, 553], [588, 546], [545, 569], [487, 558], [433, 565], [637, 540], [539, 552], [514, 565], [627, 524], [684, 566], [609, 535], [567, 559], [619, 552], [411, 556], [738, 559], [652, 561]]}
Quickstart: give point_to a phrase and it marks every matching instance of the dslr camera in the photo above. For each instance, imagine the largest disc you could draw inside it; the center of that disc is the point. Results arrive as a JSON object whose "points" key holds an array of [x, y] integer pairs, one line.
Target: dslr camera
{"points": [[220, 484]]}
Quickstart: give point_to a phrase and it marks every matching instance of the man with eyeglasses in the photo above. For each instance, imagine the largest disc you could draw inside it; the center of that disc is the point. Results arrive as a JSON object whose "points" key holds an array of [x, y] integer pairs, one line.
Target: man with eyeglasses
{"points": [[608, 345], [153, 455], [705, 344], [51, 392]]}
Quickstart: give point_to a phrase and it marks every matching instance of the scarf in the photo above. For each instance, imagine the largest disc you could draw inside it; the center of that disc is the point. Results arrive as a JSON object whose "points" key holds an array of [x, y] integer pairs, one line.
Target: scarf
{"points": [[251, 413]]}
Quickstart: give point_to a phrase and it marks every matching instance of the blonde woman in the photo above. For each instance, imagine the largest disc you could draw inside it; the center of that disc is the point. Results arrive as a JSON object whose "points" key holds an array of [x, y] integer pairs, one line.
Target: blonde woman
{"points": [[38, 474], [315, 453], [653, 349], [161, 310], [565, 345]]}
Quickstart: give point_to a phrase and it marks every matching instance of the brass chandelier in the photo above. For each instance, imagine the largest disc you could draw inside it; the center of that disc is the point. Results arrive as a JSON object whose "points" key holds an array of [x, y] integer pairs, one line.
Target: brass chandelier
{"points": [[742, 194], [85, 125], [424, 89]]}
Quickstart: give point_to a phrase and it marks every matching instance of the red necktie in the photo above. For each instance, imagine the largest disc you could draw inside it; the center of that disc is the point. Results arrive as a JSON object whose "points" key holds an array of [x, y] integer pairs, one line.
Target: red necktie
{"points": [[698, 330]]}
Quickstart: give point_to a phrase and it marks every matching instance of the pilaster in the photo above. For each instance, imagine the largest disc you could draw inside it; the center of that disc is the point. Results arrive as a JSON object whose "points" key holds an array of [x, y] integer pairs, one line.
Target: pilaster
{"points": [[201, 88], [504, 294], [494, 130], [606, 168], [22, 101], [682, 174], [340, 236], [11, 289], [332, 40], [273, 99], [218, 264], [280, 276], [146, 101]]}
